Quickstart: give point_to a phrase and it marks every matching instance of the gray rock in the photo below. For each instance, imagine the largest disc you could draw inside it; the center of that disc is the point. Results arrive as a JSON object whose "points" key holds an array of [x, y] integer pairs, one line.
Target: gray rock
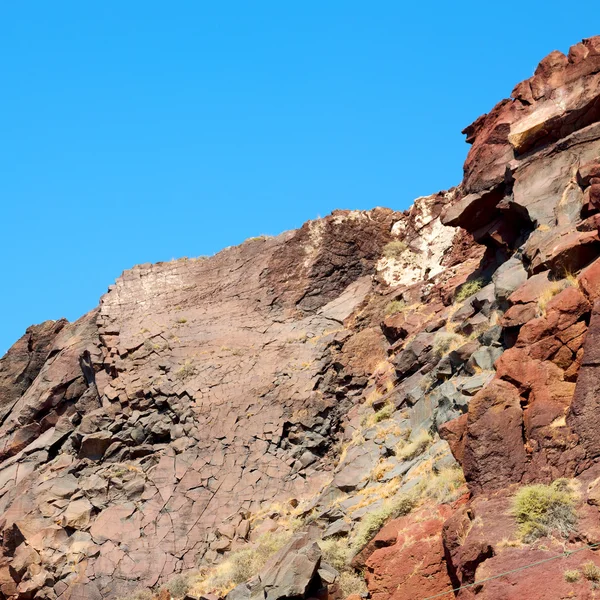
{"points": [[357, 466], [337, 528], [400, 469], [327, 573], [484, 359], [485, 299], [471, 385], [508, 277], [289, 573], [492, 336]]}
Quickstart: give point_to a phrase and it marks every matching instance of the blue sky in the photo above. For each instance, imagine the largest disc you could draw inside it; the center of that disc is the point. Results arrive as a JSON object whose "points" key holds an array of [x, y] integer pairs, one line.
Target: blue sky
{"points": [[135, 131]]}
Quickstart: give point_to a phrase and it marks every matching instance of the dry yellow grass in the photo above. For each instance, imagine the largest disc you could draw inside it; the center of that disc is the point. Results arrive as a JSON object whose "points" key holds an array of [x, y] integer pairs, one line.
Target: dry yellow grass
{"points": [[409, 450]]}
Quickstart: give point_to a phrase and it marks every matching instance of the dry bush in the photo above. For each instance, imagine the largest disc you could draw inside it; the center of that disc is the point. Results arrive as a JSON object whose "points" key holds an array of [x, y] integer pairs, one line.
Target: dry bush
{"points": [[555, 288], [351, 583], [336, 552], [409, 450], [394, 307], [591, 572], [572, 575], [445, 486], [542, 509], [446, 341], [186, 370], [394, 249], [240, 565]]}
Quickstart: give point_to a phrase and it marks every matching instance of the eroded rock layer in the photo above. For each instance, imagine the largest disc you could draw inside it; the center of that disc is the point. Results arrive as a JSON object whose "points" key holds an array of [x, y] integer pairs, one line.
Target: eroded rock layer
{"points": [[338, 380]]}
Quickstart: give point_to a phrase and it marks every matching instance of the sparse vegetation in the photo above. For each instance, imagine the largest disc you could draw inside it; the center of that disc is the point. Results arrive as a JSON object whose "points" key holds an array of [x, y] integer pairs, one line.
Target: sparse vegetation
{"points": [[351, 583], [372, 522], [409, 450], [542, 509], [556, 288], [181, 320], [444, 487], [395, 307], [394, 249], [468, 288], [261, 237], [385, 412], [336, 552], [590, 571], [572, 575], [446, 341], [138, 595], [179, 586], [381, 468], [240, 565], [186, 370]]}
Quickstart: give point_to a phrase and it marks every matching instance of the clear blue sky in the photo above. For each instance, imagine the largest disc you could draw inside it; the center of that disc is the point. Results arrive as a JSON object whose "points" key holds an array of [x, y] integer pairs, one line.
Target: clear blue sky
{"points": [[141, 131]]}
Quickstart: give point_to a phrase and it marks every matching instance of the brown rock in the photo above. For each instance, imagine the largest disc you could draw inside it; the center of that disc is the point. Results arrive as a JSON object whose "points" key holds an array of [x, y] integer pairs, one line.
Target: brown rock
{"points": [[414, 561], [494, 423]]}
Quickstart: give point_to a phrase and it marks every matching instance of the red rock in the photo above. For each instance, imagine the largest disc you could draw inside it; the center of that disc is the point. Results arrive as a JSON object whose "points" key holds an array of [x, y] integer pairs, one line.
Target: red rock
{"points": [[589, 280], [414, 562], [494, 423], [586, 402], [454, 433], [588, 171]]}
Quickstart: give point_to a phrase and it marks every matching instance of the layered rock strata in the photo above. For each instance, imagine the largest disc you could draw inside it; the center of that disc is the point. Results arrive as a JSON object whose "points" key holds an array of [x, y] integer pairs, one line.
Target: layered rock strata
{"points": [[343, 374]]}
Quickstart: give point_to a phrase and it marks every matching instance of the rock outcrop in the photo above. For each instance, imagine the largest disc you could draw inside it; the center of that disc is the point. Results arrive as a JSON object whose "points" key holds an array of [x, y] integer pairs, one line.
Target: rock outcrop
{"points": [[339, 380]]}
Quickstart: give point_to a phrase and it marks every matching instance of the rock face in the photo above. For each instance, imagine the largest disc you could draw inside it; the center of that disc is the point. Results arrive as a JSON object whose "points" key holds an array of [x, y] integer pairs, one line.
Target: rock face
{"points": [[342, 374]]}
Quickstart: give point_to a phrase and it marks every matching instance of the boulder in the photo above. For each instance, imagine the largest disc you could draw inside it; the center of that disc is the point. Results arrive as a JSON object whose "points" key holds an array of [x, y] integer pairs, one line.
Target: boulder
{"points": [[292, 571]]}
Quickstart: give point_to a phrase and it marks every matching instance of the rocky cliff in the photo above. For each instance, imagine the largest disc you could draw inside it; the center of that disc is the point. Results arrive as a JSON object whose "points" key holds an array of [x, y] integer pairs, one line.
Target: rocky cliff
{"points": [[377, 394]]}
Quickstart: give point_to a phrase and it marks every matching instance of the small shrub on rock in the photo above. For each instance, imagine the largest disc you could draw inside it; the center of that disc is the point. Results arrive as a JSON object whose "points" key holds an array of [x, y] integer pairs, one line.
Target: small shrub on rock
{"points": [[543, 509], [185, 371], [351, 583], [468, 289], [445, 341], [572, 575], [410, 450], [240, 565], [591, 572], [372, 522], [395, 307], [385, 412], [444, 487], [394, 249], [179, 586], [335, 552]]}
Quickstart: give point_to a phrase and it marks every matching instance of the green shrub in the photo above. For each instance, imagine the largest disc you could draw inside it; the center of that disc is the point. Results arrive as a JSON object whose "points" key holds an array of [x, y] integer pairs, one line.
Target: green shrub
{"points": [[394, 307], [571, 576], [590, 571], [468, 289], [394, 249], [542, 509], [385, 412], [445, 341], [372, 522]]}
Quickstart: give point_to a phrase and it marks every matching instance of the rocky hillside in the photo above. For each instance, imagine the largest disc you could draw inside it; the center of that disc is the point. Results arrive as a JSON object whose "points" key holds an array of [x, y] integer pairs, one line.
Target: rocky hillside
{"points": [[379, 403]]}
